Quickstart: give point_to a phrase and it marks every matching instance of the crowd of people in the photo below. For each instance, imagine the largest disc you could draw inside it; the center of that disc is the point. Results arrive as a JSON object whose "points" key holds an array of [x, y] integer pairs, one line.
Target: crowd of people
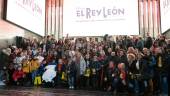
{"points": [[129, 64]]}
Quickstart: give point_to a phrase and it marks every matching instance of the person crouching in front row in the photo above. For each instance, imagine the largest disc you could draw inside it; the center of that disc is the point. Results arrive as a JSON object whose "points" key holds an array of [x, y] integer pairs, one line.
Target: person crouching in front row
{"points": [[18, 76]]}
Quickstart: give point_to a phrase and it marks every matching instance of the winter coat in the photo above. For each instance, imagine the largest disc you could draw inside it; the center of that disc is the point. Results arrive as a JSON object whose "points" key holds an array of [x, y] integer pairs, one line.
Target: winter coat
{"points": [[148, 42], [34, 65], [102, 60], [111, 74], [113, 58], [162, 63], [145, 70], [4, 60], [26, 66], [162, 43], [140, 45], [80, 66], [71, 70], [122, 59], [41, 69], [18, 74], [59, 67], [132, 68], [95, 66]]}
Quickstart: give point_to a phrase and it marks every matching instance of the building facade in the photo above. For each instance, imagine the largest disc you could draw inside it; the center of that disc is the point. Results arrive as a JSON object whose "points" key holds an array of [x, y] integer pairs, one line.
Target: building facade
{"points": [[149, 18]]}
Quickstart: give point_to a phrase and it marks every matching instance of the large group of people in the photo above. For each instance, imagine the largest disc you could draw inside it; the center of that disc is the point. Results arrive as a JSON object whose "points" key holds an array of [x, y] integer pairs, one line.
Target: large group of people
{"points": [[129, 64]]}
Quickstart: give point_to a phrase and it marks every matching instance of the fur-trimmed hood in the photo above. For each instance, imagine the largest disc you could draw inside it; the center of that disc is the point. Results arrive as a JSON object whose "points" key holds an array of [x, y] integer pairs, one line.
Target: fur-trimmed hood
{"points": [[131, 55]]}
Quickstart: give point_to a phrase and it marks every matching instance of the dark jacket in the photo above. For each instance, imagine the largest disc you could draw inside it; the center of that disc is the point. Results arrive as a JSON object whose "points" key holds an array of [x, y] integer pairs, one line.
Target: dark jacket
{"points": [[95, 66], [132, 68], [147, 63], [71, 69], [111, 74], [140, 45], [123, 59], [163, 67], [112, 58]]}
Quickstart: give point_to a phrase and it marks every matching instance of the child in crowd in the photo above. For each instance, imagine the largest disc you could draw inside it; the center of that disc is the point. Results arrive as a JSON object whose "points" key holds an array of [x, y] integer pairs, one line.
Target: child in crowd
{"points": [[122, 74], [26, 67], [100, 65], [18, 76], [34, 66]]}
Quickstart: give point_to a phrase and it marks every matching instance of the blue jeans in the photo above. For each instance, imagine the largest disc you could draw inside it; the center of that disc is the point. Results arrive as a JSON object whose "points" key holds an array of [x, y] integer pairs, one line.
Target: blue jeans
{"points": [[164, 84], [115, 83], [143, 85], [134, 86], [34, 73], [71, 81], [1, 75]]}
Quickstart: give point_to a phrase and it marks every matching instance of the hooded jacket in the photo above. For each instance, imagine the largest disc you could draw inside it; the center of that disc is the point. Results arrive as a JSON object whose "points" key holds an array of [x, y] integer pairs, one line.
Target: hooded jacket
{"points": [[18, 74], [34, 65], [26, 66]]}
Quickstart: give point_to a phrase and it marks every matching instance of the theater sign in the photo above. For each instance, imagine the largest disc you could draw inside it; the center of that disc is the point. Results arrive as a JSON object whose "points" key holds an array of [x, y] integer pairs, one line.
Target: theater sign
{"points": [[100, 17]]}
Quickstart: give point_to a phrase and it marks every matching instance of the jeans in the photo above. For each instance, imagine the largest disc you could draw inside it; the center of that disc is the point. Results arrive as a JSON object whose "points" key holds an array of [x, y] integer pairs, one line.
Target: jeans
{"points": [[71, 81], [114, 83], [94, 81], [164, 84], [1, 75], [144, 84], [58, 81], [134, 86], [33, 75]]}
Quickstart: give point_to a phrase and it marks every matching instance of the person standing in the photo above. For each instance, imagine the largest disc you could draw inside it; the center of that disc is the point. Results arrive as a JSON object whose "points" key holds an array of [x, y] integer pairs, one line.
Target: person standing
{"points": [[71, 71], [80, 67], [161, 72]]}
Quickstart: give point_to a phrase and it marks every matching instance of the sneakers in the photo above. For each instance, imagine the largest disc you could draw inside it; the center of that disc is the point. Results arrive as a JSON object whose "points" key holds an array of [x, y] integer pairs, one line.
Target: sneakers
{"points": [[71, 87]]}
